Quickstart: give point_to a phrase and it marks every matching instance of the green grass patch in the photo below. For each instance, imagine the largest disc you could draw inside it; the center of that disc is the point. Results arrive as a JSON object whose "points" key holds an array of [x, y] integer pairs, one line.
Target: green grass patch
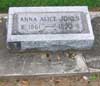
{"points": [[94, 77], [5, 4]]}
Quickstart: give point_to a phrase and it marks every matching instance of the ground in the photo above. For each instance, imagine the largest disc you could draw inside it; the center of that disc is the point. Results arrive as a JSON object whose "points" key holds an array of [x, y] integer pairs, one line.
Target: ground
{"points": [[94, 80]]}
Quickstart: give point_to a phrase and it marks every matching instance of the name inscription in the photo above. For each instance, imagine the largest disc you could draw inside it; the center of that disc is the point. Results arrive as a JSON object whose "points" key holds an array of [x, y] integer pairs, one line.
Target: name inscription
{"points": [[47, 23]]}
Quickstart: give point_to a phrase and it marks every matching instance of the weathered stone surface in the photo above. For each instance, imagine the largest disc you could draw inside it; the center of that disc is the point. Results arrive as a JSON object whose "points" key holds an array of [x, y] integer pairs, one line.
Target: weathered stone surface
{"points": [[21, 64], [24, 64], [39, 63], [92, 56], [49, 28]]}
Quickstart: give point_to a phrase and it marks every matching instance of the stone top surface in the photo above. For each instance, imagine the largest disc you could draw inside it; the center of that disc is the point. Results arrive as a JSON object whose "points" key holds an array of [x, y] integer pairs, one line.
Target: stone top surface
{"points": [[13, 10], [49, 23]]}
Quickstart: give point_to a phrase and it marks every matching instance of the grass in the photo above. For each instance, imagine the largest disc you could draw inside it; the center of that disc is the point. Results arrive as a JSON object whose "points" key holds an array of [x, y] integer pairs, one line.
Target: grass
{"points": [[5, 4]]}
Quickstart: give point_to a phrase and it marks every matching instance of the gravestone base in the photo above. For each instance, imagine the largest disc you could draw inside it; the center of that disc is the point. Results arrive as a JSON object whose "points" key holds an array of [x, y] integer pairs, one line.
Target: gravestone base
{"points": [[23, 64]]}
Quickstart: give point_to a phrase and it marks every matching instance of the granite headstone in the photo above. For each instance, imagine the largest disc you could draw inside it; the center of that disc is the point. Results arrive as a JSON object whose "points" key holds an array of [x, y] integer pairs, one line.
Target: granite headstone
{"points": [[49, 28]]}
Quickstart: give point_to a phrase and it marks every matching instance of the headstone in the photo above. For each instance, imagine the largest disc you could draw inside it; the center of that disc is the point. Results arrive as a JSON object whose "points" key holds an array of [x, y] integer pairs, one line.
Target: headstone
{"points": [[49, 28]]}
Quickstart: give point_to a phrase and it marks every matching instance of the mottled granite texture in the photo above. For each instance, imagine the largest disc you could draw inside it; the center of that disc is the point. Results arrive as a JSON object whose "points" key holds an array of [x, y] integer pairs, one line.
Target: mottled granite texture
{"points": [[49, 28]]}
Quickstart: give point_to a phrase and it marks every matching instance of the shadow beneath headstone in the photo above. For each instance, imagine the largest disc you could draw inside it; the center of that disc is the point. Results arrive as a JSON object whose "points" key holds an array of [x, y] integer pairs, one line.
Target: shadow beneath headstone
{"points": [[92, 56], [95, 51]]}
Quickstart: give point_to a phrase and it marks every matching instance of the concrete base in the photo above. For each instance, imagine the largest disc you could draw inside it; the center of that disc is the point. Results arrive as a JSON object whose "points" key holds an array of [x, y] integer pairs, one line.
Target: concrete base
{"points": [[39, 63]]}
